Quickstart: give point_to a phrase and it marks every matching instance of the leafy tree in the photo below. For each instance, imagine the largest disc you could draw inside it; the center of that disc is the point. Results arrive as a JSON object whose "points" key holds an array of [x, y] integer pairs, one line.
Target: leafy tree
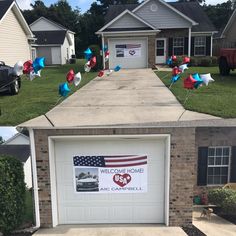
{"points": [[1, 140], [200, 1]]}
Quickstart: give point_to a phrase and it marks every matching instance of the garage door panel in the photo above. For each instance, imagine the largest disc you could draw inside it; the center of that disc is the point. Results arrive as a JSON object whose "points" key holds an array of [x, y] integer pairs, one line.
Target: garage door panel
{"points": [[138, 61], [92, 208]]}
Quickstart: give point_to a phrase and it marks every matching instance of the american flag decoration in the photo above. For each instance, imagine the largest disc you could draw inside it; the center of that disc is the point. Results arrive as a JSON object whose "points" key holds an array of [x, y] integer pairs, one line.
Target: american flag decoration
{"points": [[116, 161]]}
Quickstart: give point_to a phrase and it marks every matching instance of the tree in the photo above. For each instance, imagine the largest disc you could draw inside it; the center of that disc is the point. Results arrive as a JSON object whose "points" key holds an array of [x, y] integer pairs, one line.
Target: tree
{"points": [[1, 140], [200, 1]]}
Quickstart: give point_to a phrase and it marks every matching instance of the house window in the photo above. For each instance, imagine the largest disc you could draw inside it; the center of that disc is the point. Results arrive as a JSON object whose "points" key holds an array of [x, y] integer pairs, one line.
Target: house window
{"points": [[178, 46], [218, 165], [199, 46]]}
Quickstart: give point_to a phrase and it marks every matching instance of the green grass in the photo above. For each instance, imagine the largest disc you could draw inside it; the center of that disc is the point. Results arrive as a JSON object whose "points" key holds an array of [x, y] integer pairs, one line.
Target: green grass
{"points": [[40, 95], [28, 217], [218, 98]]}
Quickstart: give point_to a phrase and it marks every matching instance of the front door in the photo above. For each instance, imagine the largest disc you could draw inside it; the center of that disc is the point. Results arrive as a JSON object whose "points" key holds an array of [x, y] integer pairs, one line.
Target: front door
{"points": [[160, 50]]}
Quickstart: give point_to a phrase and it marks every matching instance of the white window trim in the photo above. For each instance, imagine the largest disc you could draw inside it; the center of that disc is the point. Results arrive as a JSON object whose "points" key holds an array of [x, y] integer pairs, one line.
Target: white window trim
{"points": [[178, 46], [199, 46], [229, 165]]}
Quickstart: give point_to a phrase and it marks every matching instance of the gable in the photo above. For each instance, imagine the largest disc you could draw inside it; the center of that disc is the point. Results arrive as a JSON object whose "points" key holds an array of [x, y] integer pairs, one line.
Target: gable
{"points": [[230, 29], [161, 16], [44, 25], [127, 21]]}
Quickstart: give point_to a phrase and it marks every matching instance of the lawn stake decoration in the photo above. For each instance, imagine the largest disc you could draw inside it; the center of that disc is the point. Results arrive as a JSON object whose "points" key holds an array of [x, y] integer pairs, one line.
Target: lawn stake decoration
{"points": [[183, 67], [107, 54], [206, 78], [198, 82], [87, 67], [101, 73], [92, 62], [109, 72], [186, 60], [27, 67], [38, 64], [64, 89], [88, 54], [70, 76], [33, 75], [174, 79], [77, 79], [117, 68], [105, 48], [169, 61], [18, 68]]}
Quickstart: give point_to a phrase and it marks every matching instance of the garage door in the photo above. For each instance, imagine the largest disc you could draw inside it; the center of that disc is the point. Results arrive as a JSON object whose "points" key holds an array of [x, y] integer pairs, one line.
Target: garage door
{"points": [[95, 208], [128, 53]]}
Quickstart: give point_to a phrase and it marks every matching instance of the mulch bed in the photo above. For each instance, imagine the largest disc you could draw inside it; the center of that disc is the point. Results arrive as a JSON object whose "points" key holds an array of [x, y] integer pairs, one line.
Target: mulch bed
{"points": [[193, 231]]}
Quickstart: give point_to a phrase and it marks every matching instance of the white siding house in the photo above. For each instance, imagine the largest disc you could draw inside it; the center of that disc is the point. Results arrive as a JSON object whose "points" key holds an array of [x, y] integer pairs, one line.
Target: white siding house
{"points": [[15, 34], [54, 41]]}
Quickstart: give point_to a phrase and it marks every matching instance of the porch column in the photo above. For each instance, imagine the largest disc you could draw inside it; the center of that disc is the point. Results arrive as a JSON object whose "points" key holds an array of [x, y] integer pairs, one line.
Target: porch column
{"points": [[189, 42], [211, 44]]}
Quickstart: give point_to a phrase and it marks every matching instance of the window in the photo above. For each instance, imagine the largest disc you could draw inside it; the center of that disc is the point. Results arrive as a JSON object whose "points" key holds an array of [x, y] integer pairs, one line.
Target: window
{"points": [[178, 46], [199, 46], [218, 165]]}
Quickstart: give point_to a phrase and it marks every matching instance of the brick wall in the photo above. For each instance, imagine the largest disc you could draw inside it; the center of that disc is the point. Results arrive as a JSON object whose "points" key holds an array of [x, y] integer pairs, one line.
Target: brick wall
{"points": [[181, 168], [212, 136]]}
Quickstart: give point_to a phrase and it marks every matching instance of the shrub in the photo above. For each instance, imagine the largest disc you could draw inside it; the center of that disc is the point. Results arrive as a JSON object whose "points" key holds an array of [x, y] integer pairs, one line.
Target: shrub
{"points": [[96, 52], [224, 198], [204, 61], [12, 192]]}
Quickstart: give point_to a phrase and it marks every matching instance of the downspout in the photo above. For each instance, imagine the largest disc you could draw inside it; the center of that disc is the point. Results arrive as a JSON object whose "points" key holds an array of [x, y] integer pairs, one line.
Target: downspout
{"points": [[189, 42], [35, 179], [103, 56]]}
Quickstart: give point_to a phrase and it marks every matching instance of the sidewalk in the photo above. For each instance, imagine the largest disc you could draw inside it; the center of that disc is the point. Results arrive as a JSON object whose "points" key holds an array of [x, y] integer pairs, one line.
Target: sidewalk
{"points": [[216, 226]]}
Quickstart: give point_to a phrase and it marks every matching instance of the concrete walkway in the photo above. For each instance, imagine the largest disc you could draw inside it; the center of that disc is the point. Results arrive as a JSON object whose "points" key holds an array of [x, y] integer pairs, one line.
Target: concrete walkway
{"points": [[90, 230], [217, 226], [126, 97]]}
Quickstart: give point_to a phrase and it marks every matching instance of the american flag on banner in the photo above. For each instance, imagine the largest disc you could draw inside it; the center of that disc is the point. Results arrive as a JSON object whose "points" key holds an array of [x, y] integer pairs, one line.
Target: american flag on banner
{"points": [[115, 161]]}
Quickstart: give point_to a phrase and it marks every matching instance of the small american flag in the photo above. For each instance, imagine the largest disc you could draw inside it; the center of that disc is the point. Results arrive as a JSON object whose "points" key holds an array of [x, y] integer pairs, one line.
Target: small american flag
{"points": [[110, 161]]}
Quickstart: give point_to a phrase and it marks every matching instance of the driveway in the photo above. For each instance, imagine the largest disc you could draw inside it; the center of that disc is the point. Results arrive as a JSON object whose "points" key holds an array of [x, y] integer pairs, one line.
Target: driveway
{"points": [[94, 230], [126, 97]]}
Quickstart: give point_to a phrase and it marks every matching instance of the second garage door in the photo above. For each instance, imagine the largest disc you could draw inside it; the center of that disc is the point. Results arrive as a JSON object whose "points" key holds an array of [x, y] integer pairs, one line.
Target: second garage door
{"points": [[128, 53], [95, 208]]}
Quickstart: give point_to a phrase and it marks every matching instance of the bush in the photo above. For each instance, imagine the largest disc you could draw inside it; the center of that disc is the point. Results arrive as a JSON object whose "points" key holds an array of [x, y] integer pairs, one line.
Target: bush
{"points": [[224, 198], [12, 192], [96, 52], [204, 61]]}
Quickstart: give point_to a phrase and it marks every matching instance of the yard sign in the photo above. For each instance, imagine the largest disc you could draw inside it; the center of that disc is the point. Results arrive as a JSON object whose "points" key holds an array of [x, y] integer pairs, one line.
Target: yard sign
{"points": [[110, 174]]}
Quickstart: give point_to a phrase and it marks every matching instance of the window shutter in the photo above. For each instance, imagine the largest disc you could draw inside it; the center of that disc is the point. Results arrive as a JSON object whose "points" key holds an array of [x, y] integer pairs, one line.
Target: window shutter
{"points": [[170, 49], [186, 46], [233, 165], [202, 166], [192, 46], [208, 45]]}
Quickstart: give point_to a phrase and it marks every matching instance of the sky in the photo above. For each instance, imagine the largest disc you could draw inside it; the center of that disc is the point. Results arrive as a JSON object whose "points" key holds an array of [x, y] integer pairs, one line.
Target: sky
{"points": [[7, 132], [84, 5]]}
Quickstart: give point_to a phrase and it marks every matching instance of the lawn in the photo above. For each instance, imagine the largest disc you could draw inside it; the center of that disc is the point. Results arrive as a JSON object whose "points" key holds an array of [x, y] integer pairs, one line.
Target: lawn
{"points": [[40, 95], [218, 98]]}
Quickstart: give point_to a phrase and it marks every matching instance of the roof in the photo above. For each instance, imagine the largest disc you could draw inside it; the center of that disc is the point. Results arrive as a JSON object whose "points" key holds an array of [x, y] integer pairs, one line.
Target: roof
{"points": [[192, 10], [4, 5], [195, 11], [15, 137], [21, 152], [231, 20], [50, 37]]}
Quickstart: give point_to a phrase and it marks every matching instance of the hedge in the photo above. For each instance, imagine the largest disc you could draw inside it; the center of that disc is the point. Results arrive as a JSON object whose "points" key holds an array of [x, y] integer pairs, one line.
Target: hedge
{"points": [[12, 192]]}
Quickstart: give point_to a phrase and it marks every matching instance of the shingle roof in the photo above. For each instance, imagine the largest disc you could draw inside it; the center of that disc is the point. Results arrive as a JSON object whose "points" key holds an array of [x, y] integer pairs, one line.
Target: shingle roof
{"points": [[50, 37], [115, 10], [21, 152], [4, 5], [193, 10]]}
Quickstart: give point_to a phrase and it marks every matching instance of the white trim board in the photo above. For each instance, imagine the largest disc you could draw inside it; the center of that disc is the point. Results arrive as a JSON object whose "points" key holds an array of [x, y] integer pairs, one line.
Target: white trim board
{"points": [[51, 147], [122, 14]]}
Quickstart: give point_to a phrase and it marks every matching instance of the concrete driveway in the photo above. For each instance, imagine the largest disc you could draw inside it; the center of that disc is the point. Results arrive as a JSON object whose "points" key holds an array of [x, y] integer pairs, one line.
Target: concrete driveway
{"points": [[108, 230], [124, 98]]}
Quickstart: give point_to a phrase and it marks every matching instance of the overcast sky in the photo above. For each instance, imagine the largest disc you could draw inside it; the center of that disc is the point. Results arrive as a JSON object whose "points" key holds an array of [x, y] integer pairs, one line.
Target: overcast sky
{"points": [[7, 132], [84, 5]]}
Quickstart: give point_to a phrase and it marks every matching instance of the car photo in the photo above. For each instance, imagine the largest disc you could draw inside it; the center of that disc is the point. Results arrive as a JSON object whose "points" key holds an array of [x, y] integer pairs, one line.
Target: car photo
{"points": [[9, 82]]}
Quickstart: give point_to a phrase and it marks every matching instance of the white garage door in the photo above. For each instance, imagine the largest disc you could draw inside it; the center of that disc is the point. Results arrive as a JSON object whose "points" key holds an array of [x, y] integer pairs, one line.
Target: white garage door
{"points": [[128, 53], [56, 55], [95, 208]]}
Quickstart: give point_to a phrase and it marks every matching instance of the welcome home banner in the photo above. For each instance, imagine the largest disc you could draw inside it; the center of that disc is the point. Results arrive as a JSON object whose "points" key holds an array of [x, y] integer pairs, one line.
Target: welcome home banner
{"points": [[110, 174], [128, 50]]}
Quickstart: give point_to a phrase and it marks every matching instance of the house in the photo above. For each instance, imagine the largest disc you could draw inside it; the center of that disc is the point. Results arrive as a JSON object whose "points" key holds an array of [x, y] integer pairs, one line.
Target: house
{"points": [[142, 35], [54, 41], [16, 36], [18, 147], [227, 37]]}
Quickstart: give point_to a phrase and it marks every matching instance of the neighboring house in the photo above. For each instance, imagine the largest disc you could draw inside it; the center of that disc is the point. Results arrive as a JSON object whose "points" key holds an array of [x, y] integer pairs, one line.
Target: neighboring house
{"points": [[16, 36], [146, 34], [227, 38], [54, 41], [18, 147]]}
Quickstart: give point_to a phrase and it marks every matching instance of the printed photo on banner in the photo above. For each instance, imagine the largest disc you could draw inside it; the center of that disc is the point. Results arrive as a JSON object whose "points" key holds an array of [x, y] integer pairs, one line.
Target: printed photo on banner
{"points": [[110, 174], [128, 50]]}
